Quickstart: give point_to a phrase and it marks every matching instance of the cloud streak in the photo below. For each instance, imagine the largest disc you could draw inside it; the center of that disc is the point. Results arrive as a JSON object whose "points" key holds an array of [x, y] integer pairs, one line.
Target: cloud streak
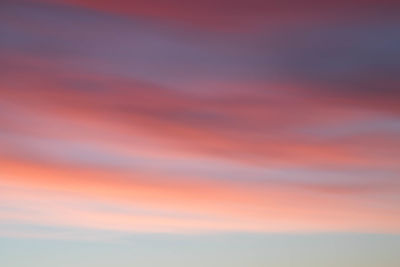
{"points": [[154, 118]]}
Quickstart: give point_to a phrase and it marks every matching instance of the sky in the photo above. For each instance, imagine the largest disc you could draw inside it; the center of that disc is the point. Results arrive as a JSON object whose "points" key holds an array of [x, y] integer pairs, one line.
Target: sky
{"points": [[199, 133]]}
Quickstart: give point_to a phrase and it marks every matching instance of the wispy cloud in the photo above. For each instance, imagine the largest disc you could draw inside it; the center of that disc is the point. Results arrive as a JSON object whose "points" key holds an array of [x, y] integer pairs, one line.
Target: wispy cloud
{"points": [[167, 116]]}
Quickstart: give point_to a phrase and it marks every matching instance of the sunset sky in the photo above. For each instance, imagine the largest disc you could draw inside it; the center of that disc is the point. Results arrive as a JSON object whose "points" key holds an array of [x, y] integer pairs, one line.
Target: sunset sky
{"points": [[199, 133]]}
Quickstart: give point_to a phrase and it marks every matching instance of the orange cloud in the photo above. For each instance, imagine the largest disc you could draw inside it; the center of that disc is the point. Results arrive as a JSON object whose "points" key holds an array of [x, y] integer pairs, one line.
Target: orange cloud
{"points": [[217, 206]]}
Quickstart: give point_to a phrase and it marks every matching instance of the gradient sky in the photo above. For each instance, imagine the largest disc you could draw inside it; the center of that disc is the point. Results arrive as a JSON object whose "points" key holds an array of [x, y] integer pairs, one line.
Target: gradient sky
{"points": [[199, 133]]}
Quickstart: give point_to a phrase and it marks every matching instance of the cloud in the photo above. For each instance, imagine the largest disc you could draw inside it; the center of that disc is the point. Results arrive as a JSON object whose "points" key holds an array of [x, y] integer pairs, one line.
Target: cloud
{"points": [[232, 15], [130, 202], [128, 119]]}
